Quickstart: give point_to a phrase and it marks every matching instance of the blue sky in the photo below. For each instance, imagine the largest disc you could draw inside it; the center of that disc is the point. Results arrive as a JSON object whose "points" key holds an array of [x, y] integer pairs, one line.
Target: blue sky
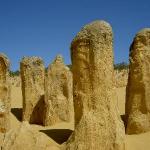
{"points": [[46, 27]]}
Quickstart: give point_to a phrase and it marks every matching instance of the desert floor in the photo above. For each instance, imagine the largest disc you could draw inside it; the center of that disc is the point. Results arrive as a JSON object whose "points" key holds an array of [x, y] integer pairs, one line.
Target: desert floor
{"points": [[60, 132]]}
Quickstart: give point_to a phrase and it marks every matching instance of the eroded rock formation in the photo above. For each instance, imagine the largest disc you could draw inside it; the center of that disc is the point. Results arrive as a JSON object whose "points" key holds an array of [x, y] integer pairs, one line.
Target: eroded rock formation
{"points": [[5, 104], [138, 88], [26, 138], [58, 94], [97, 124], [32, 76]]}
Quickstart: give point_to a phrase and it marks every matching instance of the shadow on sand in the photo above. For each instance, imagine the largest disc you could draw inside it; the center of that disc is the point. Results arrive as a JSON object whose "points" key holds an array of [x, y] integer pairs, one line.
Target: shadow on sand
{"points": [[17, 112], [58, 135]]}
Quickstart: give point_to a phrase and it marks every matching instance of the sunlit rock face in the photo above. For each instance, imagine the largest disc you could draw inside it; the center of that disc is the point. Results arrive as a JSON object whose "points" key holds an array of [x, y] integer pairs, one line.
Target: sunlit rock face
{"points": [[58, 93], [32, 78], [138, 87], [97, 123], [5, 104]]}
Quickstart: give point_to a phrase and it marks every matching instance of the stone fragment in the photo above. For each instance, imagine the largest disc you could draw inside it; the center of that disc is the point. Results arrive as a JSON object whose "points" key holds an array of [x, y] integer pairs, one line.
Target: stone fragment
{"points": [[32, 76], [58, 93], [5, 104], [97, 123], [138, 87]]}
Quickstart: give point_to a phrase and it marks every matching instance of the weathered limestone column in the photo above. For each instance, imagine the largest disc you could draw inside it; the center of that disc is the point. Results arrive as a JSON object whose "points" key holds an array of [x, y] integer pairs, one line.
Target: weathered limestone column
{"points": [[32, 76], [5, 104], [58, 93], [97, 124], [138, 87]]}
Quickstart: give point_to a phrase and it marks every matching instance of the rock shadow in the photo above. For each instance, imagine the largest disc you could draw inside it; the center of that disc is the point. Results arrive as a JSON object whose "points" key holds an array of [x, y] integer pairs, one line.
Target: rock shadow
{"points": [[123, 117], [58, 135], [38, 113], [17, 112]]}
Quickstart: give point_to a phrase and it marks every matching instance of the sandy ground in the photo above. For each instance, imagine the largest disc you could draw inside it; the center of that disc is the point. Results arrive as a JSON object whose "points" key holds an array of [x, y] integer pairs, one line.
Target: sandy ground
{"points": [[60, 132]]}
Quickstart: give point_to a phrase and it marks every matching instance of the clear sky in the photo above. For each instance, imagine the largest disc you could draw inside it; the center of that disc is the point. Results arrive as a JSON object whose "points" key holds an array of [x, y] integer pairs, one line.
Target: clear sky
{"points": [[46, 27]]}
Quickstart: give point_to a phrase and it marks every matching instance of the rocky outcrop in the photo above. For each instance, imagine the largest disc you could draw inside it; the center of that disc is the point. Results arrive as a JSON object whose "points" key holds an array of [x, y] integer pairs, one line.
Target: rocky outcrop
{"points": [[58, 94], [97, 123], [5, 104], [32, 76], [26, 138], [138, 88]]}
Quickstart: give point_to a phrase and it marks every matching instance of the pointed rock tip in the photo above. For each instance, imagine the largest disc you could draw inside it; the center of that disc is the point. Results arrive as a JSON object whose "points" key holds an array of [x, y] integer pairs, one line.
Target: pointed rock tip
{"points": [[59, 59]]}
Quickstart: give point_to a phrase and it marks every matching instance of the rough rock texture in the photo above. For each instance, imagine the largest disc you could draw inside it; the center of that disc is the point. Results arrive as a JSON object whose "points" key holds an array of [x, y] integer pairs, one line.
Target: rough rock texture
{"points": [[58, 93], [26, 138], [138, 88], [15, 81], [97, 123], [32, 76], [121, 78], [5, 104]]}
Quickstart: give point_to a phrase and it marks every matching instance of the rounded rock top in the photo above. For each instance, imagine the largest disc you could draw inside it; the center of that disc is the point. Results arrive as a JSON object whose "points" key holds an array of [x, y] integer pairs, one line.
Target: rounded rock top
{"points": [[143, 31], [5, 58], [31, 60], [95, 29], [99, 25]]}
